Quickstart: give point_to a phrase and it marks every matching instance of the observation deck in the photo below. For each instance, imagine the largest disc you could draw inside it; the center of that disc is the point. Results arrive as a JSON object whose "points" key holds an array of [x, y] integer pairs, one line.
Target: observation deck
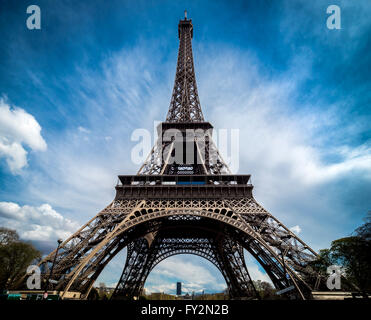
{"points": [[183, 186]]}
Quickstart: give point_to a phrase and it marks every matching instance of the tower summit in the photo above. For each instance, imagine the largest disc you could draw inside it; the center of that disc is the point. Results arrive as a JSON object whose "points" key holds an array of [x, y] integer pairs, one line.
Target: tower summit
{"points": [[185, 144], [185, 104]]}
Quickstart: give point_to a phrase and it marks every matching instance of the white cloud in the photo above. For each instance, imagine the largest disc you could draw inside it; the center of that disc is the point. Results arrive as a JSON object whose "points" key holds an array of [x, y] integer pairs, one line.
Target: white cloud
{"points": [[255, 270], [192, 271], [41, 223], [296, 229], [162, 286], [296, 152], [16, 156], [112, 272], [18, 128], [83, 130], [196, 274], [81, 166], [273, 137]]}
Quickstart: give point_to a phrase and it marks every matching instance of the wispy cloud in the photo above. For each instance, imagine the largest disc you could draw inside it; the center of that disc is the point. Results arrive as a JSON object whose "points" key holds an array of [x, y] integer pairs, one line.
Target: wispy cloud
{"points": [[296, 229], [80, 170], [295, 151], [256, 272], [83, 130]]}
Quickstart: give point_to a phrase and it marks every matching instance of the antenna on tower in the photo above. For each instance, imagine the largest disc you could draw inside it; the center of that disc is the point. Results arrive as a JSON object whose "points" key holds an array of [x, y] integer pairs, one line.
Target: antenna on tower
{"points": [[185, 14]]}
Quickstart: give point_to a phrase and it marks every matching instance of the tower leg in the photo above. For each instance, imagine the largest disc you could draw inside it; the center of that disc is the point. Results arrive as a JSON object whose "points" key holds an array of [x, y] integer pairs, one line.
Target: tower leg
{"points": [[131, 281], [235, 272]]}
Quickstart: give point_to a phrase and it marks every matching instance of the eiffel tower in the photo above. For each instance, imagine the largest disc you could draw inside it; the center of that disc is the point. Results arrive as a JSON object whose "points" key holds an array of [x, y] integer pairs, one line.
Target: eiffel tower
{"points": [[183, 200]]}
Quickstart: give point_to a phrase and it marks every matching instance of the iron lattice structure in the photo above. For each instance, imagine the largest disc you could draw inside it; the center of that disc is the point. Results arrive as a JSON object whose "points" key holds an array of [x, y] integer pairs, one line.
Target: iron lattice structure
{"points": [[185, 105], [183, 204]]}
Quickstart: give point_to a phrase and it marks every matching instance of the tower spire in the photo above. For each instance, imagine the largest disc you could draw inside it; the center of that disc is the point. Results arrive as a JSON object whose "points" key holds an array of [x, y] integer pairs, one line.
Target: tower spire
{"points": [[185, 104]]}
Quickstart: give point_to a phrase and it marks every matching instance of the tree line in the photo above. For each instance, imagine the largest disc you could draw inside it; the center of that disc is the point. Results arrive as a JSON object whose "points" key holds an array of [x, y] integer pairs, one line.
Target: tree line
{"points": [[15, 256]]}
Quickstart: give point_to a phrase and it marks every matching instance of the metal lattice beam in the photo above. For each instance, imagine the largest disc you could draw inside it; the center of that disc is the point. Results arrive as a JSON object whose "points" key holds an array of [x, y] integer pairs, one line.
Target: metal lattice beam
{"points": [[185, 105], [174, 207]]}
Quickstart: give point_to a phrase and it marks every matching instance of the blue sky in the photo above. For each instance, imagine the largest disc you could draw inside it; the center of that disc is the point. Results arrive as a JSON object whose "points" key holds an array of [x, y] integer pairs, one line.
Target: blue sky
{"points": [[73, 92]]}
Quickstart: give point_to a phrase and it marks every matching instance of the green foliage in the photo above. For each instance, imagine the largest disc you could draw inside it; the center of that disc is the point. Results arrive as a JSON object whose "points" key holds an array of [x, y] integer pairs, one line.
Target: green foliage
{"points": [[364, 231], [266, 290], [15, 257], [7, 236], [104, 293], [353, 254], [212, 296], [160, 296]]}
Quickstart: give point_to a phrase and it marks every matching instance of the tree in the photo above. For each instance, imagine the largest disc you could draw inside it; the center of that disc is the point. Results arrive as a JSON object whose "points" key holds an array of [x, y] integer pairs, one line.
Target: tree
{"points": [[102, 291], [265, 290], [93, 294], [15, 257], [353, 253], [7, 236], [364, 231]]}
